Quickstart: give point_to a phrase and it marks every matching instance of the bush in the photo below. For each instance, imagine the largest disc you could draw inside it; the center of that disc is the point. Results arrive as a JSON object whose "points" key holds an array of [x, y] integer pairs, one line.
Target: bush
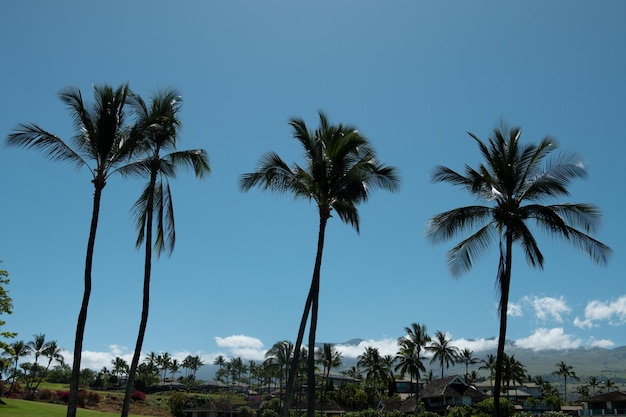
{"points": [[245, 411], [487, 407], [269, 413], [461, 411], [177, 402], [46, 395], [63, 396], [138, 396]]}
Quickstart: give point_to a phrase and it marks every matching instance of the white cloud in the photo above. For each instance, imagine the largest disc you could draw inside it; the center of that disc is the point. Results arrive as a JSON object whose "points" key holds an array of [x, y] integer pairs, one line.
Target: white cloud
{"points": [[243, 346], [603, 343], [384, 346], [548, 339], [514, 310], [612, 311], [476, 345], [547, 308]]}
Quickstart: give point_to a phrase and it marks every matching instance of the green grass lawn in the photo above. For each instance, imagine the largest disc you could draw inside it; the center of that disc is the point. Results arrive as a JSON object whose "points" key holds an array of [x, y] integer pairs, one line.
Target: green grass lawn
{"points": [[22, 408]]}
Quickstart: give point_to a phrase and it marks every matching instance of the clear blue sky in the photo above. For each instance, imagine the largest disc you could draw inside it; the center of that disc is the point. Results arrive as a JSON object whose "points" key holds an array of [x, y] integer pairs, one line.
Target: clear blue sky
{"points": [[413, 76]]}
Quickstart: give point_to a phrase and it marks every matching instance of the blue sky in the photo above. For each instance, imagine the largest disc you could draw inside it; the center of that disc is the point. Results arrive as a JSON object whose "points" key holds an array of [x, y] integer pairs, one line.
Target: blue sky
{"points": [[413, 76]]}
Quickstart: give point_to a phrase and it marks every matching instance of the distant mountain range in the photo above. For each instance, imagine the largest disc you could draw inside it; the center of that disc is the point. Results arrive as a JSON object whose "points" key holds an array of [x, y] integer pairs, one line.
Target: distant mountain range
{"points": [[586, 362]]}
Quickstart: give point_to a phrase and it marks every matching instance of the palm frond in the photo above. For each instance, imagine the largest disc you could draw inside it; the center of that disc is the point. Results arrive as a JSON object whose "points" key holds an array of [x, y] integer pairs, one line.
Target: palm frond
{"points": [[449, 224], [34, 137], [461, 257]]}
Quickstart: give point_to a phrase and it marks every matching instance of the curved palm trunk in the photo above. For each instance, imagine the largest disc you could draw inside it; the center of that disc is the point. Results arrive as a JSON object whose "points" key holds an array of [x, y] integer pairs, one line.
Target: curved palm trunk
{"points": [[505, 282], [311, 305], [130, 384], [72, 402]]}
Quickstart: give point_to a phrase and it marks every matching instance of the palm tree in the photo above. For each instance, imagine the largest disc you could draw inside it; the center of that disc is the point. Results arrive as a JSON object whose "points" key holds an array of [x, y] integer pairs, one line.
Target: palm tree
{"points": [[409, 355], [341, 170], [512, 182], [159, 125], [467, 357], [512, 371], [101, 137], [329, 357], [37, 346], [490, 365], [593, 383], [374, 366], [411, 347], [277, 360], [163, 361], [443, 351], [566, 371], [53, 352], [17, 350]]}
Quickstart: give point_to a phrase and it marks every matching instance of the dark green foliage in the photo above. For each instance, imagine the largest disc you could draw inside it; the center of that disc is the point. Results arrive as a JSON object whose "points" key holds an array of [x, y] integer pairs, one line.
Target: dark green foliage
{"points": [[487, 407], [245, 411], [461, 411]]}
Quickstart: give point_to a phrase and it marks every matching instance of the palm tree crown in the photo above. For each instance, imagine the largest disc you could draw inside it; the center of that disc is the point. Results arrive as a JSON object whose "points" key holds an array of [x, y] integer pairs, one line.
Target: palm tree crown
{"points": [[512, 182], [341, 171]]}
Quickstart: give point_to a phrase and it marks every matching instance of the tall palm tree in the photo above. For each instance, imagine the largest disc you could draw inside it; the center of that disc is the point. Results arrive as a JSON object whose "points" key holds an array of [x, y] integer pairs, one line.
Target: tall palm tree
{"points": [[158, 125], [413, 343], [566, 371], [443, 351], [593, 383], [341, 171], [512, 182], [103, 138]]}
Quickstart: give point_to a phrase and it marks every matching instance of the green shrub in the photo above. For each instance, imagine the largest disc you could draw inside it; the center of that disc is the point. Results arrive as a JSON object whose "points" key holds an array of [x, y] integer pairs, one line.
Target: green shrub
{"points": [[461, 411], [177, 402], [245, 411], [269, 413], [487, 407]]}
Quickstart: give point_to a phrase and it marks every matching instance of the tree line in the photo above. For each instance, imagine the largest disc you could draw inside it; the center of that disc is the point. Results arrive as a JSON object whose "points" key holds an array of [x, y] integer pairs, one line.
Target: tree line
{"points": [[340, 171]]}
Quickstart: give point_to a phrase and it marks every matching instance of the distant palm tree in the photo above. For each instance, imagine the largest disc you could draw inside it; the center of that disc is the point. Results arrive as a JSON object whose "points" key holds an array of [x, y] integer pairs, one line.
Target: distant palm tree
{"points": [[512, 182], [158, 125], [53, 352], [17, 350], [277, 360], [341, 171], [443, 351], [566, 371], [409, 355], [37, 347], [512, 371], [490, 365], [375, 368], [103, 138], [329, 357], [593, 383], [467, 357]]}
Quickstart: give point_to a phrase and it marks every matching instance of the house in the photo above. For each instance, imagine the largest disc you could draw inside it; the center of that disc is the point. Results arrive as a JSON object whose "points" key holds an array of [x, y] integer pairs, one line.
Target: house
{"points": [[611, 403], [441, 394]]}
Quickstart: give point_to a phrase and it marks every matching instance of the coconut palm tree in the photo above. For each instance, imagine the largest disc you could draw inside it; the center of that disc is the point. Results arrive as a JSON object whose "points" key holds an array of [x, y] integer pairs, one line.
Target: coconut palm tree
{"points": [[277, 360], [443, 351], [411, 347], [53, 352], [37, 347], [566, 371], [373, 364], [512, 182], [490, 365], [103, 138], [158, 125], [467, 357], [329, 357], [17, 350], [341, 171]]}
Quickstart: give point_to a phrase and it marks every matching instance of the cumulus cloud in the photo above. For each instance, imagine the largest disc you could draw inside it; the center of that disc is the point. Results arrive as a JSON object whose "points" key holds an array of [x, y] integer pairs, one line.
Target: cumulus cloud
{"points": [[514, 310], [614, 312], [549, 308], [543, 339], [476, 345], [385, 346], [243, 346], [603, 343]]}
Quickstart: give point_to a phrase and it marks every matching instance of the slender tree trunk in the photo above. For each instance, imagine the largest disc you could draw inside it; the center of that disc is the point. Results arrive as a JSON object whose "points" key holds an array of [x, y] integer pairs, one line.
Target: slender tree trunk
{"points": [[313, 294], [130, 384], [505, 283], [72, 402]]}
